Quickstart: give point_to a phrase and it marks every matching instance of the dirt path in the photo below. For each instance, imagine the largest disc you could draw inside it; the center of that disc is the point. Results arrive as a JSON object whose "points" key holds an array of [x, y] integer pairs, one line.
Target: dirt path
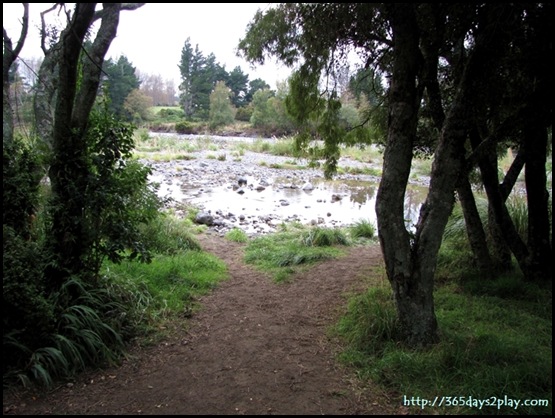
{"points": [[255, 347]]}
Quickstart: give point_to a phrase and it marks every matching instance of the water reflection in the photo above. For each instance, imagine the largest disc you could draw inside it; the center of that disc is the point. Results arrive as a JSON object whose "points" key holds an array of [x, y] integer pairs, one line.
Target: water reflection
{"points": [[331, 202]]}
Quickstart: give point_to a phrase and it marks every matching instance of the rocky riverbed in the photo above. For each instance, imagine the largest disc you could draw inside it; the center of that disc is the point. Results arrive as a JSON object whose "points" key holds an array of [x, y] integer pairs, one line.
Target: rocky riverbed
{"points": [[257, 192]]}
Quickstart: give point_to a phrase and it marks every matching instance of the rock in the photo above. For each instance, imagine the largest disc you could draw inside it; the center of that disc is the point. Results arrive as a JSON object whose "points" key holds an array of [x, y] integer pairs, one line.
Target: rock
{"points": [[308, 186], [204, 218]]}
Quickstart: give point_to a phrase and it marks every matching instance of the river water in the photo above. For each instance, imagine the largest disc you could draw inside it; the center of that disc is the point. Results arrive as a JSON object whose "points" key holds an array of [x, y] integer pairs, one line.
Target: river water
{"points": [[273, 195]]}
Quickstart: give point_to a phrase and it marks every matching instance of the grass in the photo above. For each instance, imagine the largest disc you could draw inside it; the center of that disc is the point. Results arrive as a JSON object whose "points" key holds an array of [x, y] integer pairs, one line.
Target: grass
{"points": [[363, 229], [495, 336], [236, 235], [295, 247], [489, 348], [174, 280]]}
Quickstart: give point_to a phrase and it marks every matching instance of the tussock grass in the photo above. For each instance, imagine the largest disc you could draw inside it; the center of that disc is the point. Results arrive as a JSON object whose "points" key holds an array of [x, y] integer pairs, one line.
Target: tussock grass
{"points": [[169, 235], [286, 252], [237, 235], [362, 229]]}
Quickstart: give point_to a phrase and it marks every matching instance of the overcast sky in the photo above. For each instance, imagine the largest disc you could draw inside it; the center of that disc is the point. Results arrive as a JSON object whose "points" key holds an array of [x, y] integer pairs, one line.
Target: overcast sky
{"points": [[153, 36]]}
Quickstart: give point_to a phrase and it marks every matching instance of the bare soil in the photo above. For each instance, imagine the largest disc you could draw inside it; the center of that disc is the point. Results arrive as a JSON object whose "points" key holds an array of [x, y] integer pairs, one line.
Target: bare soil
{"points": [[254, 347]]}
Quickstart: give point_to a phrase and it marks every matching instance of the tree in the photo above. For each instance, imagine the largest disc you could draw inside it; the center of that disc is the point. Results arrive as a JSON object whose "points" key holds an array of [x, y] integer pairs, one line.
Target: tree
{"points": [[433, 57], [222, 111], [137, 105], [199, 74], [162, 92], [262, 115], [97, 199], [69, 88], [203, 84], [9, 56], [269, 113], [120, 80], [188, 66], [237, 81], [254, 86]]}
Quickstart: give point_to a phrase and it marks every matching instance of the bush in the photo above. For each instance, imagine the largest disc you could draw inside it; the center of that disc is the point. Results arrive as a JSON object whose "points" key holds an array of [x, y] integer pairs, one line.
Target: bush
{"points": [[184, 127], [27, 312], [244, 114]]}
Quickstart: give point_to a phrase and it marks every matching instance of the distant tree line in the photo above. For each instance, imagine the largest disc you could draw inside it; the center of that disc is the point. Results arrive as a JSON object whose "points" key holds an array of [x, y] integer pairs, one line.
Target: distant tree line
{"points": [[199, 75]]}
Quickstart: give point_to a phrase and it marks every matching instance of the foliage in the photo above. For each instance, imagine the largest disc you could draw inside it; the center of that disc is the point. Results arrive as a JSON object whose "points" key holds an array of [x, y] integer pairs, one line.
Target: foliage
{"points": [[199, 74], [21, 175], [184, 127], [168, 114], [261, 113], [238, 82], [438, 100], [88, 323], [324, 237], [168, 235], [118, 193], [269, 113], [120, 81], [222, 111], [244, 114], [254, 86], [137, 105], [28, 315], [173, 281]]}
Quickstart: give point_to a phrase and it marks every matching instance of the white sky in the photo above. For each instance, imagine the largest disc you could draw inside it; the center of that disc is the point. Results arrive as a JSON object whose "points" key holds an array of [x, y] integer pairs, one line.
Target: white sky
{"points": [[153, 36]]}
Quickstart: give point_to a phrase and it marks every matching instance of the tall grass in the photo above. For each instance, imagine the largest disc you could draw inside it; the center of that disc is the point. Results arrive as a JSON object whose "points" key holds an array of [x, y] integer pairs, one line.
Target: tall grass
{"points": [[174, 281], [88, 333], [169, 235], [362, 229]]}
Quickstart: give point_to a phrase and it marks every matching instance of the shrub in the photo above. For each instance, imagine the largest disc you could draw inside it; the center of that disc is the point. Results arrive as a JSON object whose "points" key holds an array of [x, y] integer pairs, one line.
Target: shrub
{"points": [[184, 127]]}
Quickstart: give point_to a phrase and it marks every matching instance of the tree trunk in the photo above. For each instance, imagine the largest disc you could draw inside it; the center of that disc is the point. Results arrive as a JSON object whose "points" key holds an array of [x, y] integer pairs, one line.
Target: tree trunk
{"points": [[500, 214], [474, 228], [68, 171], [413, 292], [539, 264], [487, 161], [9, 56]]}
